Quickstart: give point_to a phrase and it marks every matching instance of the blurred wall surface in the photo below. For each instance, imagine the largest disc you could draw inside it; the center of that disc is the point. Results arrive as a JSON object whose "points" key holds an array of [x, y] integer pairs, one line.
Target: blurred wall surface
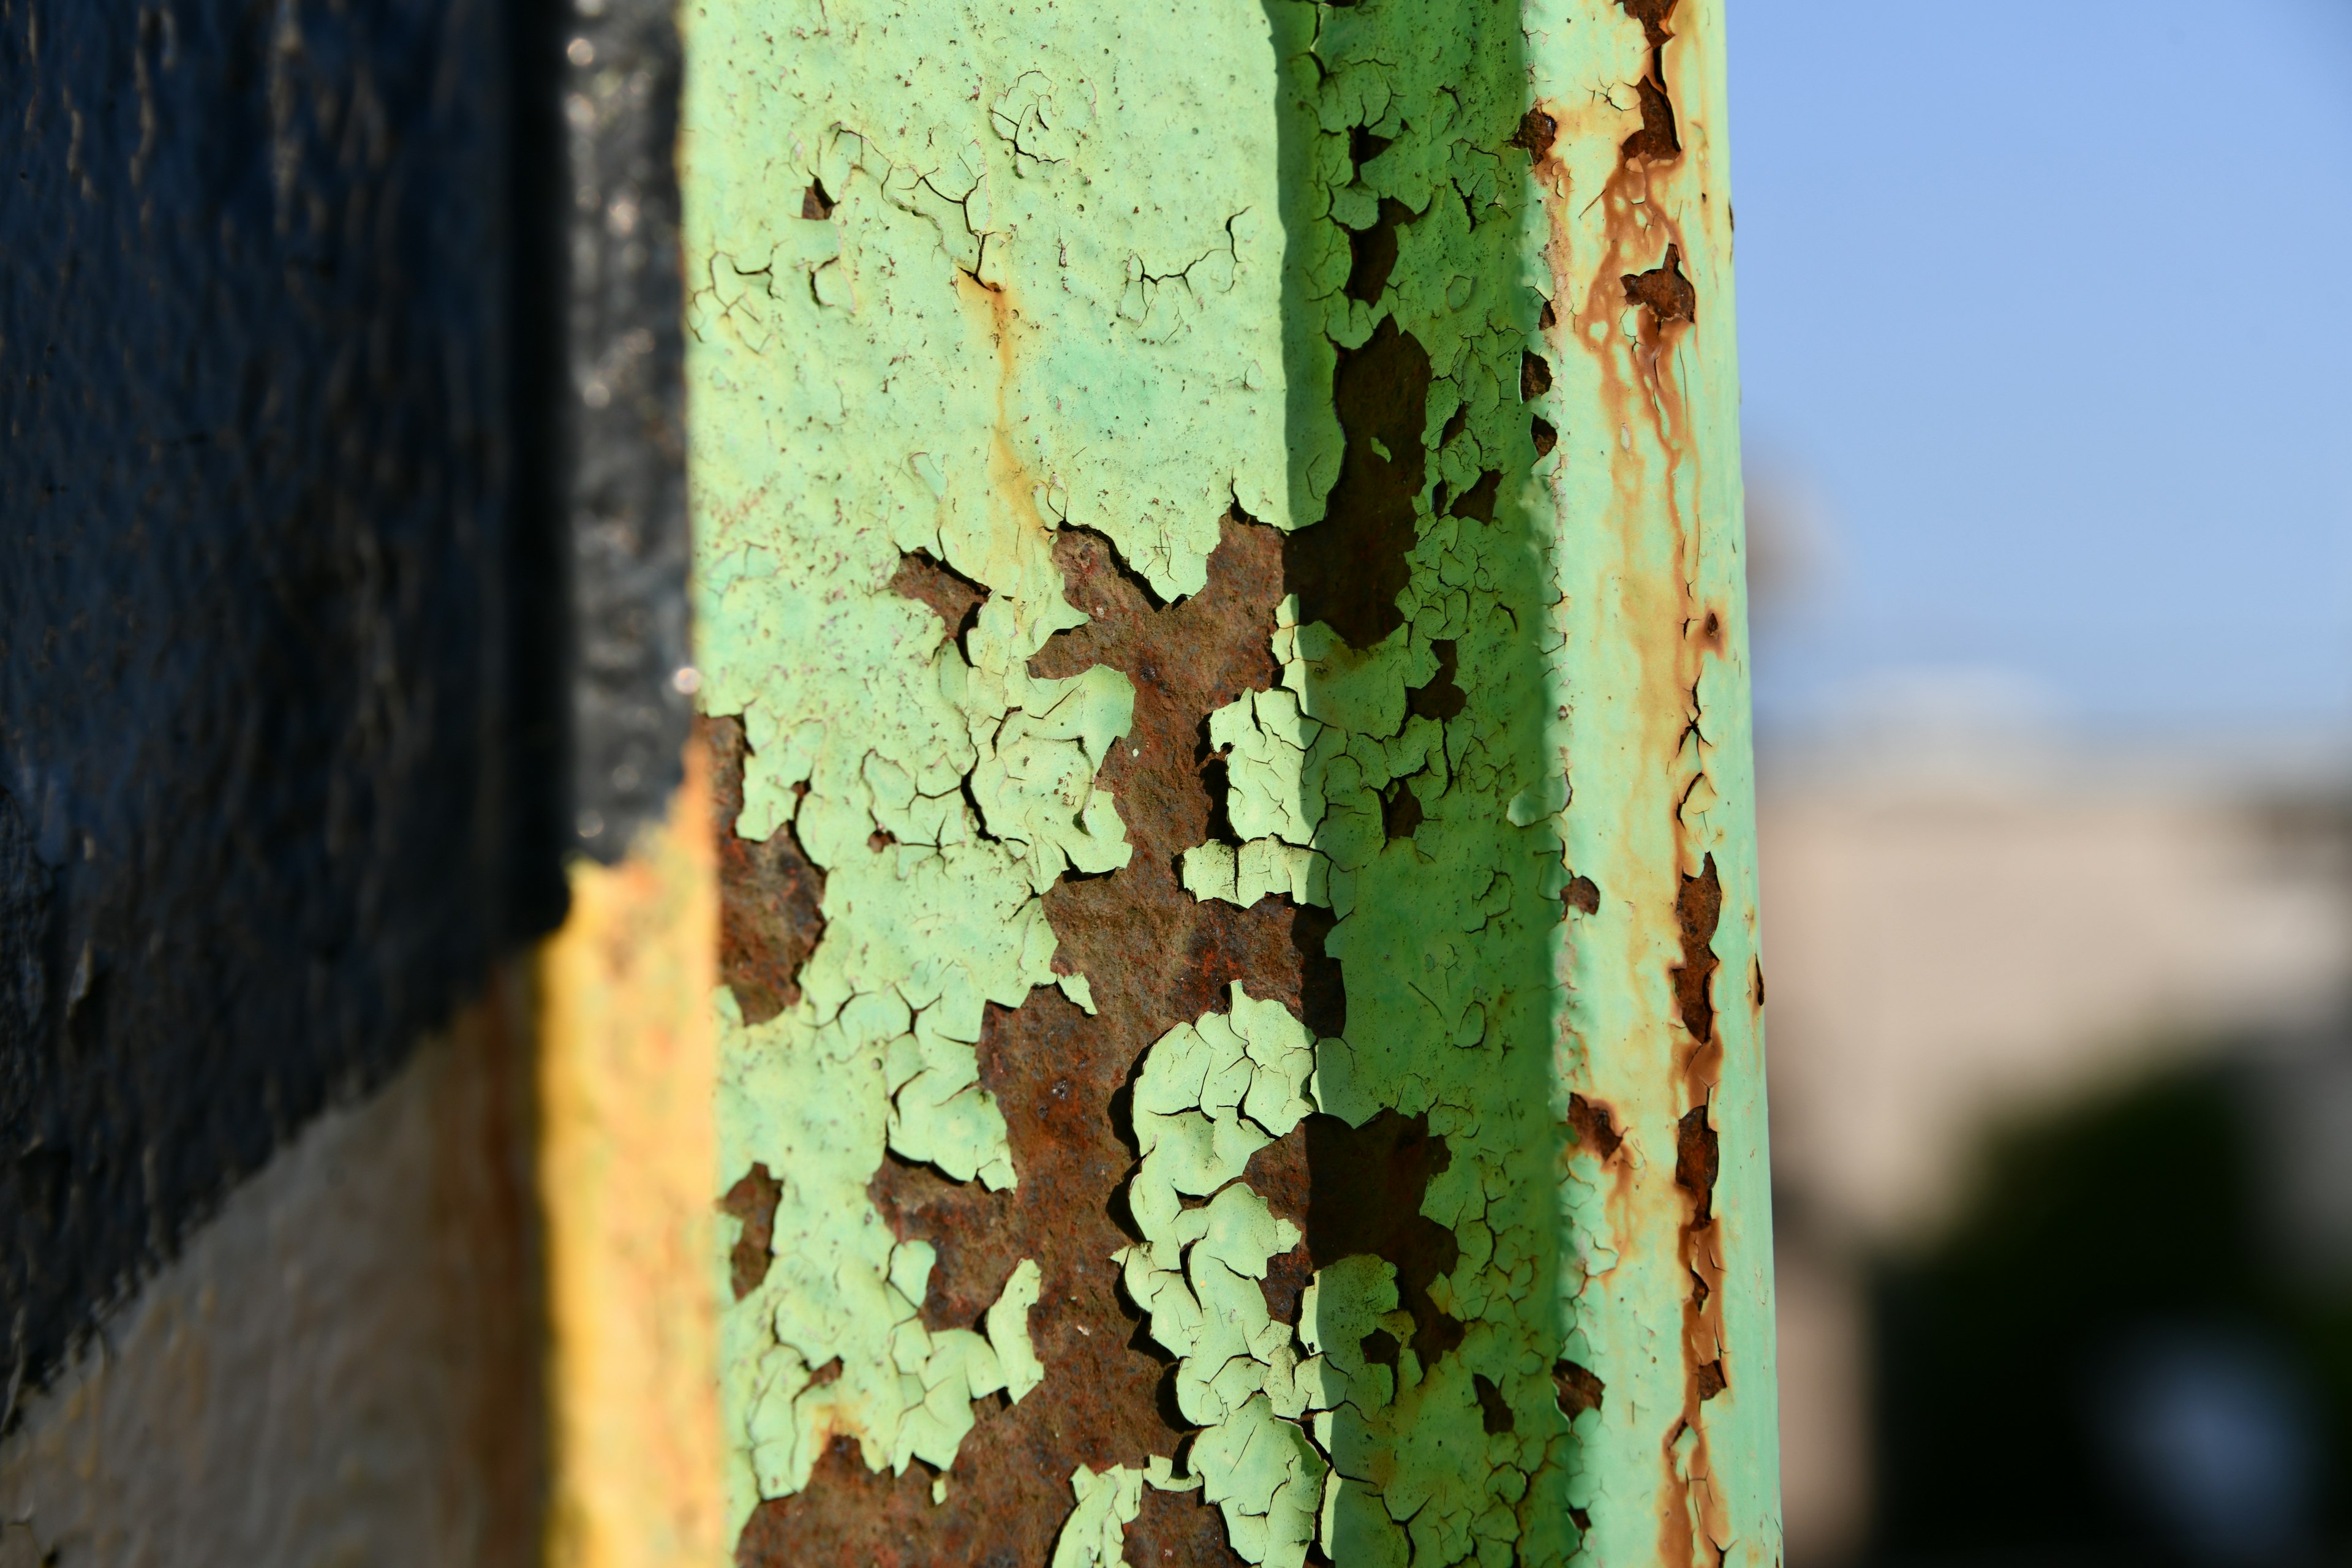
{"points": [[342, 623], [1966, 925]]}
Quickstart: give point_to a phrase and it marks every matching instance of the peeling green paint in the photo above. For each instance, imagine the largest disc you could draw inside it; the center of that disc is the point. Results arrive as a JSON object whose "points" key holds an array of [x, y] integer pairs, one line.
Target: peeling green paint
{"points": [[998, 329], [961, 276], [1107, 1503], [842, 1296], [1208, 1096]]}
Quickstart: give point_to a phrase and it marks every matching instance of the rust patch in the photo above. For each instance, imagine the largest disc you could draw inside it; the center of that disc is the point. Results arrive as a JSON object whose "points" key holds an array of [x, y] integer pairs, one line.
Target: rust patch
{"points": [[1401, 811], [1534, 375], [1167, 1528], [1582, 894], [1440, 697], [1653, 16], [1698, 908], [1479, 500], [1494, 1410], [1698, 1159], [950, 594], [1657, 140], [1595, 1127], [890, 1521], [1537, 132], [1056, 1077], [1580, 1391], [1456, 422], [1372, 252], [752, 1200], [815, 205], [1662, 291], [770, 893], [1348, 569]]}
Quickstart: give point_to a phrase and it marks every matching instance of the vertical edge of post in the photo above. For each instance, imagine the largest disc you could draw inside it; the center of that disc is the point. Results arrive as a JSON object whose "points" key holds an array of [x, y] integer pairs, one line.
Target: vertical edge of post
{"points": [[628, 1062], [1669, 1316]]}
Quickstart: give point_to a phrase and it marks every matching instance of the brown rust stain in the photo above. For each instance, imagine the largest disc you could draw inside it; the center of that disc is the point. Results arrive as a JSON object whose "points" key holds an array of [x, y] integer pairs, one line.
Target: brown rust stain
{"points": [[1154, 957], [1699, 1160], [948, 594], [1662, 291], [1537, 132], [1372, 252], [1582, 894], [1479, 500], [770, 892], [752, 1201], [1579, 1390], [1698, 909], [1595, 1126]]}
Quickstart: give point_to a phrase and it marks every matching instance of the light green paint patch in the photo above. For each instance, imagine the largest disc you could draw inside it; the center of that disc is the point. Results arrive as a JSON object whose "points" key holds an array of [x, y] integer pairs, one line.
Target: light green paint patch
{"points": [[1210, 1095], [840, 1290], [1244, 875], [1108, 1502], [1008, 1331], [938, 1112], [1093, 1537]]}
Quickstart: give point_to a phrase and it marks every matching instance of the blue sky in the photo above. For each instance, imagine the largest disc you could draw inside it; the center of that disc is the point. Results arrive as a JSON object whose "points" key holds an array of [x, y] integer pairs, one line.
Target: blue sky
{"points": [[2048, 310]]}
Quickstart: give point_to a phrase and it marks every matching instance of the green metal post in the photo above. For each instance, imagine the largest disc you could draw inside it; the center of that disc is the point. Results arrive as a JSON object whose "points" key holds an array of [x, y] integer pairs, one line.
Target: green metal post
{"points": [[1220, 576]]}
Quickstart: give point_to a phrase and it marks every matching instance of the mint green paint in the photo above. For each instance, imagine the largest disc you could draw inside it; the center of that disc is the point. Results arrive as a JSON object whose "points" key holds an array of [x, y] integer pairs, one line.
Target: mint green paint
{"points": [[1086, 267], [976, 348], [815, 1102], [1107, 1503], [1210, 1095]]}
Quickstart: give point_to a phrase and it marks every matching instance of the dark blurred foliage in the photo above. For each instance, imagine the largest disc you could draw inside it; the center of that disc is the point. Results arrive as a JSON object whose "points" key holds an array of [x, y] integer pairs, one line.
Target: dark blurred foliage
{"points": [[2115, 1355]]}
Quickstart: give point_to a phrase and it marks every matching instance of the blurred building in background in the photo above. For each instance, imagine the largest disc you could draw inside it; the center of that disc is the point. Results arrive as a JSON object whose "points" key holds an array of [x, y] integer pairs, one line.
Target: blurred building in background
{"points": [[2062, 1136]]}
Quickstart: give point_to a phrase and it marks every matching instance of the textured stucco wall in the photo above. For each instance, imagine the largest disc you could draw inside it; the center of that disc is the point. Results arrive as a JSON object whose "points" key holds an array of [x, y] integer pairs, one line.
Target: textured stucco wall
{"points": [[344, 1366], [260, 817], [342, 597]]}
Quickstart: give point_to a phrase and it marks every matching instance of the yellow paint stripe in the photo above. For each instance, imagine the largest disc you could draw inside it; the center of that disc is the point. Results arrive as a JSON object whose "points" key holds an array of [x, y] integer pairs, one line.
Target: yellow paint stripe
{"points": [[627, 1060]]}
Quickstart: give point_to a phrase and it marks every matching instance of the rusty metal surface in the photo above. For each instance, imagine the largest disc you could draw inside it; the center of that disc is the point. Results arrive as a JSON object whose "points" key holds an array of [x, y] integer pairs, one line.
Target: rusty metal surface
{"points": [[1663, 910], [1158, 957], [1502, 737], [770, 918]]}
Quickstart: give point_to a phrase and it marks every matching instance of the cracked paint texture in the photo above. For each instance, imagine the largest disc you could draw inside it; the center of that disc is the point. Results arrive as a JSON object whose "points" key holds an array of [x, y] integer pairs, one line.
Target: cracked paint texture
{"points": [[1078, 350], [1443, 291]]}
